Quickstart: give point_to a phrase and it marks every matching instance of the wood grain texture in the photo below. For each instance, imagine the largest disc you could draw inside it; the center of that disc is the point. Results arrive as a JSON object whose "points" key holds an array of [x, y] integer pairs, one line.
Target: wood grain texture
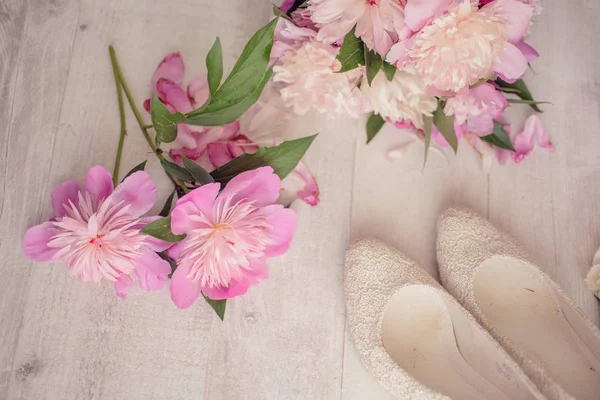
{"points": [[287, 339]]}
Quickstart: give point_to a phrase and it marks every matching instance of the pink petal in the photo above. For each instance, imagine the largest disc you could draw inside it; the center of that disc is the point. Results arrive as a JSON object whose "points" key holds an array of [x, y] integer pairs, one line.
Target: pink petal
{"points": [[511, 65], [418, 13], [300, 183], [399, 53], [35, 243], [524, 142], [258, 271], [171, 68], [62, 194], [175, 250], [122, 285], [261, 185], [283, 223], [184, 291], [152, 271], [185, 136], [218, 154], [138, 191], [98, 182], [286, 5], [198, 201], [529, 52], [174, 95], [198, 91], [517, 14]]}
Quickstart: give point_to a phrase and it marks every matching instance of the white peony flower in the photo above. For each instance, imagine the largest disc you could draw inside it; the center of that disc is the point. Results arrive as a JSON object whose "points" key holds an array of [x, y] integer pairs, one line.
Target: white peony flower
{"points": [[309, 79], [404, 99], [459, 48]]}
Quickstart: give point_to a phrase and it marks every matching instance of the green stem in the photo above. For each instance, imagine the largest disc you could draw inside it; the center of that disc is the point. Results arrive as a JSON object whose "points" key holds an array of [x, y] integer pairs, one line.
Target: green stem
{"points": [[138, 116], [123, 124]]}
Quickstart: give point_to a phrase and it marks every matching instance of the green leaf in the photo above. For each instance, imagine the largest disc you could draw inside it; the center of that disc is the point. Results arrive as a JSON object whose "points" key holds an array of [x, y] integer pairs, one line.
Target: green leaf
{"points": [[227, 115], [167, 207], [499, 138], [165, 123], [161, 229], [389, 70], [165, 256], [243, 86], [351, 53], [373, 64], [445, 124], [530, 102], [198, 173], [177, 171], [374, 125], [139, 167], [428, 122], [214, 66], [521, 90], [217, 305], [283, 159]]}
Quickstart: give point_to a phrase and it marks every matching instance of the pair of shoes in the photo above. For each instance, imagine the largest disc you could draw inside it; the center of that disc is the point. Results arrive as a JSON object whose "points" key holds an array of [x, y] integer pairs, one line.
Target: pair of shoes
{"points": [[520, 339]]}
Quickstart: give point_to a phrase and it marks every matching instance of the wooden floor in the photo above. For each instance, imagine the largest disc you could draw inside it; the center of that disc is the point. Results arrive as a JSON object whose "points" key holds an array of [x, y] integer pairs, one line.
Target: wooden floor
{"points": [[287, 339]]}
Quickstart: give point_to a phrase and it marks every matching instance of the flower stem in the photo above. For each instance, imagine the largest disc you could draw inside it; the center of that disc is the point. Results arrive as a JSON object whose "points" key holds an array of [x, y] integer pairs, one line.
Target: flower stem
{"points": [[138, 117], [123, 124]]}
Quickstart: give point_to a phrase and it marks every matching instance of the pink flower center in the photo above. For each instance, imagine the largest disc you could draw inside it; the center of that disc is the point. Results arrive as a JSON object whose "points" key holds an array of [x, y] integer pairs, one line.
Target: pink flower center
{"points": [[372, 2], [98, 240], [222, 245]]}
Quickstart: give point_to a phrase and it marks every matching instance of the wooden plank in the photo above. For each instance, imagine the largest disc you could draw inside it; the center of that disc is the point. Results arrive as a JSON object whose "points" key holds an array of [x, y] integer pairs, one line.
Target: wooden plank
{"points": [[35, 47], [550, 201]]}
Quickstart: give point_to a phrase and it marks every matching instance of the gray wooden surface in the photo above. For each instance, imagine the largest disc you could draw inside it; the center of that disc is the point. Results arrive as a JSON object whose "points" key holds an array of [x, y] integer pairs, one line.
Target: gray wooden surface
{"points": [[287, 339]]}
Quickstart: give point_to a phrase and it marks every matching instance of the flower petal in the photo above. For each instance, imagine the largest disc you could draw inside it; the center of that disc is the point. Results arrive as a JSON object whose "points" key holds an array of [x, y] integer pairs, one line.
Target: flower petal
{"points": [[529, 52], [63, 194], [35, 243], [518, 16], [257, 272], [198, 201], [198, 91], [174, 95], [122, 285], [524, 141], [511, 64], [218, 154], [283, 223], [138, 191], [171, 68], [98, 182], [184, 291], [418, 13], [152, 271], [300, 183], [261, 185]]}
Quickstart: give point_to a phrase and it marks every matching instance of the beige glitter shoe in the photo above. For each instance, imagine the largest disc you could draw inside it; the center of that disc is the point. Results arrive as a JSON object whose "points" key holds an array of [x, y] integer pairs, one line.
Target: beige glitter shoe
{"points": [[487, 272], [416, 339]]}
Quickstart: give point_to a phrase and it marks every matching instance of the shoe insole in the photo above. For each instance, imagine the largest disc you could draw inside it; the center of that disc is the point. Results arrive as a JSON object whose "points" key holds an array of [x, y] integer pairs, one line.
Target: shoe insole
{"points": [[521, 304], [431, 339]]}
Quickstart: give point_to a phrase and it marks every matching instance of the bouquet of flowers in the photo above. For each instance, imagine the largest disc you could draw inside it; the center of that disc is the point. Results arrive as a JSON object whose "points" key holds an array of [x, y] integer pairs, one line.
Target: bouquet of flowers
{"points": [[446, 69], [228, 218]]}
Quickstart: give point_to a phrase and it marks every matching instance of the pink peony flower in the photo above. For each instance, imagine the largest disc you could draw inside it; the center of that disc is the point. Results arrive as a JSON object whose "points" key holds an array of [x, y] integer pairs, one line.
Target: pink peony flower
{"points": [[477, 108], [310, 81], [511, 63], [229, 236], [96, 232], [212, 147], [419, 13], [459, 48], [524, 142], [302, 17], [379, 23]]}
